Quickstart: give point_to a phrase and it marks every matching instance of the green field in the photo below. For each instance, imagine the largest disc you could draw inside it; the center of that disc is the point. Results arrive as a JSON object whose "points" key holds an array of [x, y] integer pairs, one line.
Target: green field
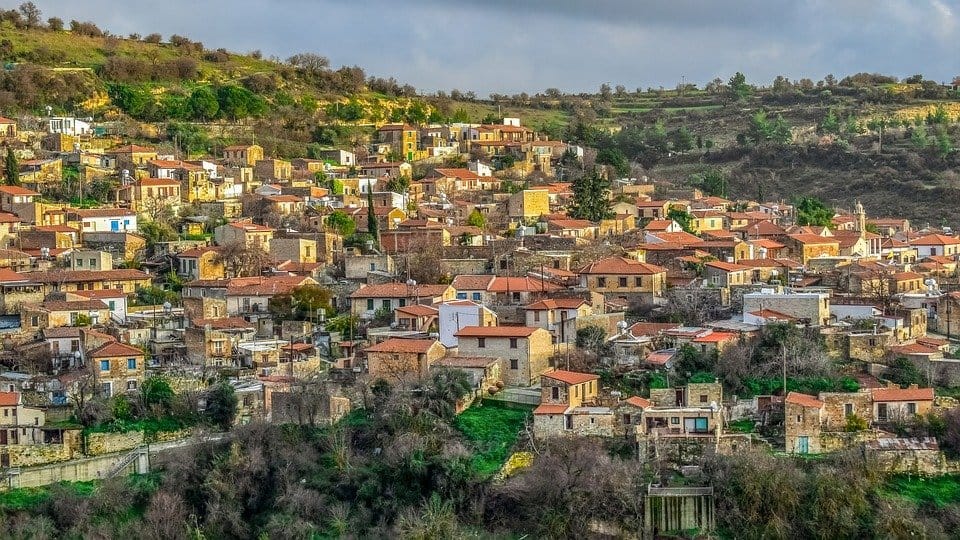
{"points": [[492, 429], [939, 490]]}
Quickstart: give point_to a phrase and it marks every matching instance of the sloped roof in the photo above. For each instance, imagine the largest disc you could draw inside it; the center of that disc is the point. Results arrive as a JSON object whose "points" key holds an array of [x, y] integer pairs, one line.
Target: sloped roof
{"points": [[638, 401], [571, 377], [935, 240], [556, 303], [804, 400], [115, 349], [400, 345], [9, 399], [548, 408], [902, 394], [502, 284], [470, 282], [622, 265], [399, 290], [496, 331]]}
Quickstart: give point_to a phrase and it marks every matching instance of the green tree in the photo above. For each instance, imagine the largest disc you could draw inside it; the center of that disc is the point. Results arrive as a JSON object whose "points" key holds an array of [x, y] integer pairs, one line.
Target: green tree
{"points": [[712, 181], [812, 212], [476, 219], [398, 184], [372, 226], [904, 372], [11, 168], [340, 222], [614, 158], [682, 140], [441, 393], [221, 406], [919, 138], [203, 104], [591, 199], [830, 124], [682, 217], [781, 133], [738, 87], [156, 392], [593, 338], [944, 144], [760, 129]]}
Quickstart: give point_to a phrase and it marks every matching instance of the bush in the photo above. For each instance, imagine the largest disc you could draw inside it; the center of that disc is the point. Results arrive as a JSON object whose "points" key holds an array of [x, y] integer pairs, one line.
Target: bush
{"points": [[221, 406], [855, 423]]}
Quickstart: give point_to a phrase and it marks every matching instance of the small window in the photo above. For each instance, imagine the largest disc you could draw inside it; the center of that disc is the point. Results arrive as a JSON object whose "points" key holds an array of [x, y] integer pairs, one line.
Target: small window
{"points": [[637, 282], [104, 365], [386, 304], [555, 392], [622, 282], [911, 408], [674, 419], [481, 343], [601, 282], [798, 418], [703, 398], [476, 296], [131, 363], [848, 409], [536, 316], [514, 363], [513, 343], [461, 296]]}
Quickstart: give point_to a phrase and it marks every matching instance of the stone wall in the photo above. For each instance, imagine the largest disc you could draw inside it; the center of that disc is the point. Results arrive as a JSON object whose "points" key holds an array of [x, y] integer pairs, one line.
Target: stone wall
{"points": [[868, 347], [29, 455], [836, 405], [106, 443], [832, 441], [910, 461]]}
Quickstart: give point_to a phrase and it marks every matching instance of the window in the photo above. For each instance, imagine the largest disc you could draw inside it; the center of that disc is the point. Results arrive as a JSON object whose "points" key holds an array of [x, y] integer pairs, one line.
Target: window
{"points": [[461, 296], [848, 409], [674, 419], [637, 282], [622, 282], [514, 363], [513, 343], [93, 262], [107, 389], [112, 304], [131, 363], [601, 282], [403, 302], [703, 398], [35, 320], [911, 408], [131, 385], [104, 365], [370, 303], [386, 304], [476, 297], [79, 263], [555, 392], [626, 419], [481, 343]]}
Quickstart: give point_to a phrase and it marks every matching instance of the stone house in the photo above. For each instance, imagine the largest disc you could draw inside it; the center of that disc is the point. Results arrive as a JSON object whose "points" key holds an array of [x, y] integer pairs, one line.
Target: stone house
{"points": [[118, 368], [802, 419], [559, 316], [126, 279], [200, 263], [268, 170], [894, 404], [57, 313], [403, 360], [724, 274], [528, 204], [243, 154], [301, 250], [485, 374], [806, 246], [626, 279], [808, 308], [526, 351], [568, 406], [246, 232], [367, 300], [212, 342]]}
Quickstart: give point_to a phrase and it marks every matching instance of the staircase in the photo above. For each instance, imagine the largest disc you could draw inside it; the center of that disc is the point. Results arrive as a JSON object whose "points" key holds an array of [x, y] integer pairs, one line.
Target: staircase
{"points": [[126, 460]]}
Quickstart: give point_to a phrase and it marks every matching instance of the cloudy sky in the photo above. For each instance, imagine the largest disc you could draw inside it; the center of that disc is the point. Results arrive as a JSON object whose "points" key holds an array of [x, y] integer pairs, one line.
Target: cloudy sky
{"points": [[529, 45]]}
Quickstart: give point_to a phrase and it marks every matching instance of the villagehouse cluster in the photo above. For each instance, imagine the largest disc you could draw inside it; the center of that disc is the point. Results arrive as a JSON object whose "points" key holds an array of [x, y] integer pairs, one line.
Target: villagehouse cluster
{"points": [[271, 272]]}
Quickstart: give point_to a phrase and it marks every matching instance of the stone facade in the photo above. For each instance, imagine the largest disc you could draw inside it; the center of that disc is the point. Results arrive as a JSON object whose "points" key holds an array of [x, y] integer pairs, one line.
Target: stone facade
{"points": [[106, 443], [812, 307], [837, 406]]}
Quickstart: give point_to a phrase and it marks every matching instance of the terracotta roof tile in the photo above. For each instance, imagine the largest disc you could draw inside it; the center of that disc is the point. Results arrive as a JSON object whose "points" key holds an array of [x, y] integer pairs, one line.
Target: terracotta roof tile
{"points": [[902, 394], [548, 408], [804, 400], [638, 401], [571, 377]]}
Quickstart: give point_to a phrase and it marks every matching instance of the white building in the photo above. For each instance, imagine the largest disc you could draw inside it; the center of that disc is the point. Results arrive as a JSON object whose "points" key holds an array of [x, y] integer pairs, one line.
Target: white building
{"points": [[107, 219], [67, 125], [456, 315]]}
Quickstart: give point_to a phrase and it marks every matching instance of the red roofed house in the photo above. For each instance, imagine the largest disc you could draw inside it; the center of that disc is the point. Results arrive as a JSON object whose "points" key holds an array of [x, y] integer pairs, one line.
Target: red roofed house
{"points": [[802, 419], [936, 244], [368, 299], [724, 274], [558, 316], [567, 406], [403, 360], [628, 279], [526, 351], [895, 404], [118, 368], [8, 128], [249, 233]]}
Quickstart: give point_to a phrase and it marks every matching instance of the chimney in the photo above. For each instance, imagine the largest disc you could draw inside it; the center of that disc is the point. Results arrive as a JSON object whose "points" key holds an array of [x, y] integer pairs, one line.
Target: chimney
{"points": [[912, 386]]}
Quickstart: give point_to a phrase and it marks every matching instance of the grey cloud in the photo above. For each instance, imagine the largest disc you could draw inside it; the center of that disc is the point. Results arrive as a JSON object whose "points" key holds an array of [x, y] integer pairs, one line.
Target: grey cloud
{"points": [[529, 45]]}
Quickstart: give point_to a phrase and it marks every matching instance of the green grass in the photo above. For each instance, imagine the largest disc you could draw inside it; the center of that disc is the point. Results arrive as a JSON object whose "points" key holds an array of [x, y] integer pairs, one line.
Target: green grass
{"points": [[939, 490], [32, 497], [492, 429], [744, 425], [149, 426]]}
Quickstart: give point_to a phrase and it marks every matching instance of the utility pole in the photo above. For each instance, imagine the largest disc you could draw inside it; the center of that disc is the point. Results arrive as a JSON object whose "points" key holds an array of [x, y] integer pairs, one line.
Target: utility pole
{"points": [[783, 353]]}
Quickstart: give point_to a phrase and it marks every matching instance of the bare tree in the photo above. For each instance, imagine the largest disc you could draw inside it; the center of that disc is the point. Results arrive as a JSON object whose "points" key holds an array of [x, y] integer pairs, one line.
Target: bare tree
{"points": [[242, 260]]}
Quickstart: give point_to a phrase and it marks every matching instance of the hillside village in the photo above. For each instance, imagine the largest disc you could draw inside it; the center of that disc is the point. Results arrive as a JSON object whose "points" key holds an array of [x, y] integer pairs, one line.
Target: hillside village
{"points": [[278, 275]]}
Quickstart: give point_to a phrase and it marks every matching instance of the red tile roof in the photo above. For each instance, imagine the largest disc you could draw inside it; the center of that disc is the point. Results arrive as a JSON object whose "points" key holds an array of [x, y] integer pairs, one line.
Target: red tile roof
{"points": [[902, 394], [804, 400], [727, 267], [502, 284], [496, 331], [650, 329], [17, 190], [468, 282], [935, 240], [76, 276], [571, 377], [715, 337], [556, 303], [400, 345], [622, 265], [660, 358], [418, 310], [158, 182], [638, 401], [548, 408], [115, 349], [9, 399], [399, 290]]}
